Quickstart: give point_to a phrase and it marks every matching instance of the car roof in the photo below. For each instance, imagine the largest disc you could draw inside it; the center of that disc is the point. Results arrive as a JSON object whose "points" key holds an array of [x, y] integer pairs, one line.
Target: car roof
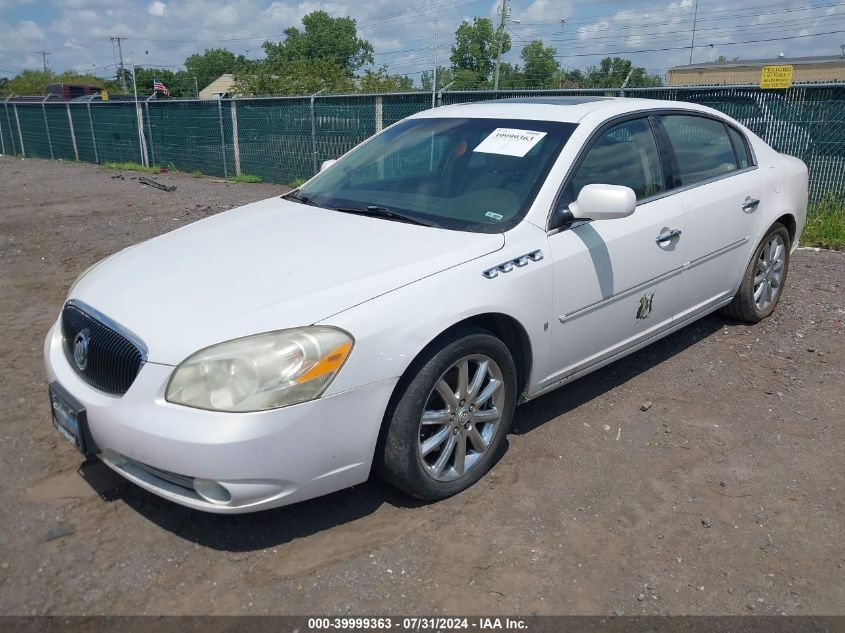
{"points": [[552, 100], [563, 109]]}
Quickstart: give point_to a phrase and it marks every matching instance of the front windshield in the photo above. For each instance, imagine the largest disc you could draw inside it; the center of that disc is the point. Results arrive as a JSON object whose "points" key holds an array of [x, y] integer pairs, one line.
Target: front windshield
{"points": [[465, 174]]}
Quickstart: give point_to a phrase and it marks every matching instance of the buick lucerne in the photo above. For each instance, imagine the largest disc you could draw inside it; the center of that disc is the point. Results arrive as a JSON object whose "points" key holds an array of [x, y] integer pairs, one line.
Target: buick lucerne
{"points": [[390, 314]]}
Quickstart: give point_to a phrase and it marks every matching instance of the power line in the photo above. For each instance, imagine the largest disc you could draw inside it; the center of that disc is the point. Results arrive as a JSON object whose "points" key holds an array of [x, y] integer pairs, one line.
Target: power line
{"points": [[681, 48], [750, 29], [674, 23]]}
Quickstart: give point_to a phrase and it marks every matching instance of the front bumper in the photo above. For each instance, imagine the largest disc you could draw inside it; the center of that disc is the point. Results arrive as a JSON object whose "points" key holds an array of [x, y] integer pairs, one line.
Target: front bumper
{"points": [[262, 460]]}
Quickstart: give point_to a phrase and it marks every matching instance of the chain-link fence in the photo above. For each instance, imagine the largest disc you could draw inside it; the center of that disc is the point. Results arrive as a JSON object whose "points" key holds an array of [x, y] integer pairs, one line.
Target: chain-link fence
{"points": [[286, 139]]}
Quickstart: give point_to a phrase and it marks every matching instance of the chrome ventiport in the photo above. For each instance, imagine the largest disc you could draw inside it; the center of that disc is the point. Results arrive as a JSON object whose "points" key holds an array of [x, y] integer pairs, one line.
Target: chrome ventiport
{"points": [[506, 267]]}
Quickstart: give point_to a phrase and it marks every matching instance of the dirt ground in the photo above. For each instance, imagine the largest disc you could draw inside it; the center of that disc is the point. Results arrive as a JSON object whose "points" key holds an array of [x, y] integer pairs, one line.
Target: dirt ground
{"points": [[725, 496]]}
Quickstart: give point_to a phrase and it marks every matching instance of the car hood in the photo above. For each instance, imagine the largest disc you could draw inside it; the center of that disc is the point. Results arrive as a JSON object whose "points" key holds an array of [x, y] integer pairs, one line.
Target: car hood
{"points": [[266, 266]]}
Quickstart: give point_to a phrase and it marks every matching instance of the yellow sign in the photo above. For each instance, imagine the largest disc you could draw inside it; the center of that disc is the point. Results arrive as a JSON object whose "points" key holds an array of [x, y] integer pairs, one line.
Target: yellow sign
{"points": [[104, 95], [776, 77]]}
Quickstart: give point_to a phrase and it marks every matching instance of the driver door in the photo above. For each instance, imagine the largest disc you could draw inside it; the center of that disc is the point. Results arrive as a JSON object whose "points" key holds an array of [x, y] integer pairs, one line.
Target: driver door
{"points": [[616, 282]]}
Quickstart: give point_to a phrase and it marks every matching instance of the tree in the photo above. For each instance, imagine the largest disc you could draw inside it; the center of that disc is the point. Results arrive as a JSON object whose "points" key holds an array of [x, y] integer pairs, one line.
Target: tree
{"points": [[474, 53], [35, 82], [323, 38], [612, 72], [179, 84], [209, 65], [380, 80], [511, 76], [572, 79], [301, 77], [444, 78], [541, 69]]}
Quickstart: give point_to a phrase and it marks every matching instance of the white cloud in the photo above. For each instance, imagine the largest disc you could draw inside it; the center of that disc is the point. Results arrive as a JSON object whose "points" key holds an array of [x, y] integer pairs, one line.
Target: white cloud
{"points": [[157, 8], [78, 31], [26, 34]]}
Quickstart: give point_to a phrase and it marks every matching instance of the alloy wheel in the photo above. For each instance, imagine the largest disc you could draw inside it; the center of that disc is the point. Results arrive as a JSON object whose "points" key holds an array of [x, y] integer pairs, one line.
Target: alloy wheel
{"points": [[769, 272], [461, 417]]}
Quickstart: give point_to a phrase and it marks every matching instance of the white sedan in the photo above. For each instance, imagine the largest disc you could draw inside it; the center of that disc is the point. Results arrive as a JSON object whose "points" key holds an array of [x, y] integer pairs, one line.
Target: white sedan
{"points": [[391, 313]]}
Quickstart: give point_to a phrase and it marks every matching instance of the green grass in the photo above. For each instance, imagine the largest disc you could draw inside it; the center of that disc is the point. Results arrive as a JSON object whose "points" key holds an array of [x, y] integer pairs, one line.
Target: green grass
{"points": [[297, 182], [130, 166], [244, 178], [825, 223], [196, 174]]}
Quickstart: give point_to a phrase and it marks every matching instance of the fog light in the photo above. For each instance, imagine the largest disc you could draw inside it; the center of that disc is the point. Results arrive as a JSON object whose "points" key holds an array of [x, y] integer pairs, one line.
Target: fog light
{"points": [[211, 491]]}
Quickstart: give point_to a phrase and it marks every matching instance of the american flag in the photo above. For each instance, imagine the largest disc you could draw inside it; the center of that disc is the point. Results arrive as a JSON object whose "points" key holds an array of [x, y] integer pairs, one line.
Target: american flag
{"points": [[160, 87]]}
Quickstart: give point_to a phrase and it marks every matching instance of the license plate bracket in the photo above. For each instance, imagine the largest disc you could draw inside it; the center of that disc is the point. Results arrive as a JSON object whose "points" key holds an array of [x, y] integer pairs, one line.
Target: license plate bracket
{"points": [[70, 418]]}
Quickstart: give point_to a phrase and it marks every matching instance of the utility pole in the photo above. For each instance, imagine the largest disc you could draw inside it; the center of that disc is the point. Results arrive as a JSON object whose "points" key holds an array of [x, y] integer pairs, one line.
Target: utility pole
{"points": [[694, 21], [120, 69], [43, 58], [434, 74], [562, 22], [500, 33]]}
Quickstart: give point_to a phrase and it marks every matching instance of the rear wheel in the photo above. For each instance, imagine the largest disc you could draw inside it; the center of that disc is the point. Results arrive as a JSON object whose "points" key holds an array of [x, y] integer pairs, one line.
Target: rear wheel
{"points": [[449, 423], [762, 283]]}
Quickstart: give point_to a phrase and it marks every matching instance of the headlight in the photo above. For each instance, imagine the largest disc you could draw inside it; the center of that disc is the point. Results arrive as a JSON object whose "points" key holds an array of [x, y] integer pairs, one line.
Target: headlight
{"points": [[260, 372]]}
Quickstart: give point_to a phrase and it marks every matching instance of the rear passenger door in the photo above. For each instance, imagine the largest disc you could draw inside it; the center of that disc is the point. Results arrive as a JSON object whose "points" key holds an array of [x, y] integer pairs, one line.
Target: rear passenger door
{"points": [[722, 192]]}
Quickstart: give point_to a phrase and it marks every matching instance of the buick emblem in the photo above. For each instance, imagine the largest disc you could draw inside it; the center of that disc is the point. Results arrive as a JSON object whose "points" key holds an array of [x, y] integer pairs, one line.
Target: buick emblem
{"points": [[80, 349]]}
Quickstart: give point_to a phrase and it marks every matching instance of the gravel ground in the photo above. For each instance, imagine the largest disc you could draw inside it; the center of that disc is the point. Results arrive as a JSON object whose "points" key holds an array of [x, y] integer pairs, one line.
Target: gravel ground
{"points": [[724, 496]]}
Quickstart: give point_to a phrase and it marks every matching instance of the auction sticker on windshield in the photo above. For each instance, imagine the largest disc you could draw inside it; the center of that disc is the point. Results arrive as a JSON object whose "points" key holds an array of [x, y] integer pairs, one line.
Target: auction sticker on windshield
{"points": [[510, 142]]}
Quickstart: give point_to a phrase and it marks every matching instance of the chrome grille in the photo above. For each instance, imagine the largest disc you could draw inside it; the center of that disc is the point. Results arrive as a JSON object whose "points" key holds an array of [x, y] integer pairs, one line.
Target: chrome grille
{"points": [[113, 358]]}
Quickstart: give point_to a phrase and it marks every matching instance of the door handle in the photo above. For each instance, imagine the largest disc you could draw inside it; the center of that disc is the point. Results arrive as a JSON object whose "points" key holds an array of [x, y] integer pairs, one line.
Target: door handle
{"points": [[750, 204], [667, 235]]}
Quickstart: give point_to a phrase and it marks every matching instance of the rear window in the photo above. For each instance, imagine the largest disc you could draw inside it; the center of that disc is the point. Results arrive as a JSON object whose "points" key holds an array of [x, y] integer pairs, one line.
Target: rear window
{"points": [[702, 147]]}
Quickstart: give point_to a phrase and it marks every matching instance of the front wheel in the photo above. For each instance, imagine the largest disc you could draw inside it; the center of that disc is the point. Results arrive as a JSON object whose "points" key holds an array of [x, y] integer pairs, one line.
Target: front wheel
{"points": [[762, 283], [449, 423]]}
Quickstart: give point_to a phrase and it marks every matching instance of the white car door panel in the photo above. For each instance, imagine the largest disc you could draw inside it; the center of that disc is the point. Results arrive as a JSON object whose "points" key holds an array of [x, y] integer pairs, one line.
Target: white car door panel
{"points": [[721, 222], [615, 285], [616, 281], [723, 194]]}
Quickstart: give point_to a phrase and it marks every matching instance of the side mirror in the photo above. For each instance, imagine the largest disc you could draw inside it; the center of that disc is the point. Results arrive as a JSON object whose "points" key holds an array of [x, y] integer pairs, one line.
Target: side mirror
{"points": [[604, 202], [327, 163]]}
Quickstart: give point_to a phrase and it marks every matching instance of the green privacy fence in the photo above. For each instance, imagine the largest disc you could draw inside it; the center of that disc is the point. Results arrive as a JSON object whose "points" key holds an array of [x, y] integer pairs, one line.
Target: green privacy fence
{"points": [[286, 139]]}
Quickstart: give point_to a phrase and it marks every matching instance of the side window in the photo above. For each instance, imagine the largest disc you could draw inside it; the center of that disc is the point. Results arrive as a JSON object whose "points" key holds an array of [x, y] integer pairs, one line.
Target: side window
{"points": [[740, 147], [702, 147], [626, 154]]}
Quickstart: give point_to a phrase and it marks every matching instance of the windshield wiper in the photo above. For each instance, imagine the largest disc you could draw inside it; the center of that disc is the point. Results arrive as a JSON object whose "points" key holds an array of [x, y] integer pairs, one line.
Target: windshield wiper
{"points": [[375, 211], [298, 197]]}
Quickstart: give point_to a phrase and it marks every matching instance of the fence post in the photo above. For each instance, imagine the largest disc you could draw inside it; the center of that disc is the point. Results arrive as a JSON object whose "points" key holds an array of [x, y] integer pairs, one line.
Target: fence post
{"points": [[150, 134], [20, 136], [142, 144], [47, 127], [9, 122], [72, 133], [2, 140], [93, 136], [314, 136], [235, 142], [379, 114], [222, 136]]}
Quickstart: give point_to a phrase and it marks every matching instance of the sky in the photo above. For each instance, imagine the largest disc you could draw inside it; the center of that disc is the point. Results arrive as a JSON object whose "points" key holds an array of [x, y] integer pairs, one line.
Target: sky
{"points": [[655, 34]]}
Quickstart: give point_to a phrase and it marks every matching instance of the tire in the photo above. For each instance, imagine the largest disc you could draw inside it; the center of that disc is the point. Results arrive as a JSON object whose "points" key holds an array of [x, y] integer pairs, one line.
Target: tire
{"points": [[764, 277], [469, 420]]}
